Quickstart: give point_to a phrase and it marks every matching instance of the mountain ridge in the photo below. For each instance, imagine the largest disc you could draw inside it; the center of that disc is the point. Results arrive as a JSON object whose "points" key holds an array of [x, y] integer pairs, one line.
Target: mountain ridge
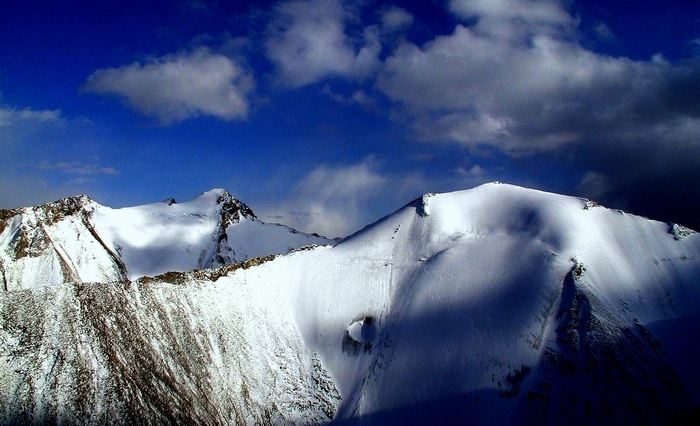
{"points": [[76, 239], [496, 304]]}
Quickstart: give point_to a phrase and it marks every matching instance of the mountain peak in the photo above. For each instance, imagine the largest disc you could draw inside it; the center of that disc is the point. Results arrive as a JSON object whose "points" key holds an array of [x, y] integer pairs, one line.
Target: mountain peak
{"points": [[75, 239], [232, 209], [54, 211]]}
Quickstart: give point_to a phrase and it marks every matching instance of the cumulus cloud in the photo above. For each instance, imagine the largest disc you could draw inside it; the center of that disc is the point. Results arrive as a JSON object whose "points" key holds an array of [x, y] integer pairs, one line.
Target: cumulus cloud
{"points": [[180, 86], [513, 20], [395, 18], [474, 89], [514, 76], [332, 201], [539, 94], [307, 41]]}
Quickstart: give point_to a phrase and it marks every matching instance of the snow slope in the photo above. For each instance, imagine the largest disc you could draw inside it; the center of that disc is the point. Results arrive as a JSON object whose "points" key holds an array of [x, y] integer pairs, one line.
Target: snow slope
{"points": [[78, 240], [495, 305], [157, 353], [503, 305]]}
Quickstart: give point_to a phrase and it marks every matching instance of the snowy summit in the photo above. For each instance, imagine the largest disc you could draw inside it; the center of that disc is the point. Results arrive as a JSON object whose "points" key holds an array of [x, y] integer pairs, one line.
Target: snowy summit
{"points": [[78, 240]]}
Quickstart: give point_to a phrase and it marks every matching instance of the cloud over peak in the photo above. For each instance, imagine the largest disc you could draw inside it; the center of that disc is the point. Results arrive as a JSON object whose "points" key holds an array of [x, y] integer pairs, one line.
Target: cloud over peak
{"points": [[332, 200], [180, 86], [475, 89]]}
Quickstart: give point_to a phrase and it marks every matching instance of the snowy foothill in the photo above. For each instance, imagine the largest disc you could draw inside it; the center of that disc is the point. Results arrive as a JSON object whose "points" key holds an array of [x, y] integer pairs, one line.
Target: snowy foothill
{"points": [[494, 305]]}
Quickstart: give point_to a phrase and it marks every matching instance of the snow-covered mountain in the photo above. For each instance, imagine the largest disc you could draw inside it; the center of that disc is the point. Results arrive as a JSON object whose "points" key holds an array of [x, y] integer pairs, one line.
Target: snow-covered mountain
{"points": [[495, 305], [77, 240]]}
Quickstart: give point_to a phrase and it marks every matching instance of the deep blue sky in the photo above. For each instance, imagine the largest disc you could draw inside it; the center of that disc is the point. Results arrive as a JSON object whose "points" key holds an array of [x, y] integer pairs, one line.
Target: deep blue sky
{"points": [[328, 114]]}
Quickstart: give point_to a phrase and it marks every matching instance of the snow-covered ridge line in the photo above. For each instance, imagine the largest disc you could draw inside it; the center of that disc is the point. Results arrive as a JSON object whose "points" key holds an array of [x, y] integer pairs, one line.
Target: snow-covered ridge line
{"points": [[494, 305], [500, 305], [77, 240]]}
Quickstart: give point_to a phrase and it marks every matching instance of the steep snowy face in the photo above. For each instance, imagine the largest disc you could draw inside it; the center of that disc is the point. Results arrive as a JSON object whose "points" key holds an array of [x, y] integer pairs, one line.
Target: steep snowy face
{"points": [[212, 230], [151, 352], [78, 240], [501, 304], [54, 243], [171, 236]]}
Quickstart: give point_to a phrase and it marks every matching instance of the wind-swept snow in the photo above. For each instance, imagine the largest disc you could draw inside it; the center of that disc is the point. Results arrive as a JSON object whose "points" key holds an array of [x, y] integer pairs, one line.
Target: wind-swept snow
{"points": [[500, 302], [212, 230], [488, 306], [78, 240], [153, 352]]}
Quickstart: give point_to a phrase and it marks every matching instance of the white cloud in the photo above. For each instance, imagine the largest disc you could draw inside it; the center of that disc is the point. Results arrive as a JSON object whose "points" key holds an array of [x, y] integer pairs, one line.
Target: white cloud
{"points": [[514, 20], [79, 168], [177, 87], [541, 95], [331, 201], [395, 18], [13, 116], [307, 42]]}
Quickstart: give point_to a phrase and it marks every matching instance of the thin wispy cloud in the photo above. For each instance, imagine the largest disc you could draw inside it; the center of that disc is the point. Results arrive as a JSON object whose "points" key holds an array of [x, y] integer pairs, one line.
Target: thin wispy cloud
{"points": [[35, 143], [78, 168], [180, 86], [331, 200], [13, 116]]}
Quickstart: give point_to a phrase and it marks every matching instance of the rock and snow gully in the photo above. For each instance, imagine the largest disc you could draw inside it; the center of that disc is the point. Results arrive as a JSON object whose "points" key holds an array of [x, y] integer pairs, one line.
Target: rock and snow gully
{"points": [[495, 305]]}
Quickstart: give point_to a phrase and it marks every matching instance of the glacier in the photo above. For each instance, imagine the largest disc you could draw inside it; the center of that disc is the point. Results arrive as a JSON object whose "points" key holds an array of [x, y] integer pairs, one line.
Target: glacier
{"points": [[493, 305]]}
